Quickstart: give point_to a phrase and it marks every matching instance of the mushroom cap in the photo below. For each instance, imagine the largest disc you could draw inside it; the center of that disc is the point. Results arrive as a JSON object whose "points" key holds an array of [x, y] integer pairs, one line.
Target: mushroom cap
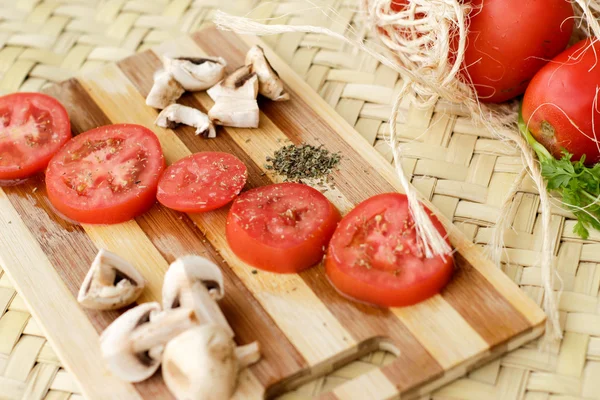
{"points": [[187, 270], [200, 364], [111, 283], [117, 349], [196, 73]]}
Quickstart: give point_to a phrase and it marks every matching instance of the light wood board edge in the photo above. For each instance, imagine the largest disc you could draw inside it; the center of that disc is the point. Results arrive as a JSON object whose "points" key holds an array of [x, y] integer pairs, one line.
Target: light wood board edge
{"points": [[461, 370], [58, 314]]}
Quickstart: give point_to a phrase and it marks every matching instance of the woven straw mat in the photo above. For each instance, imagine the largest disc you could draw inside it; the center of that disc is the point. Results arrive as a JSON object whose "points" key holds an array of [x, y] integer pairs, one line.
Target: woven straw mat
{"points": [[462, 169]]}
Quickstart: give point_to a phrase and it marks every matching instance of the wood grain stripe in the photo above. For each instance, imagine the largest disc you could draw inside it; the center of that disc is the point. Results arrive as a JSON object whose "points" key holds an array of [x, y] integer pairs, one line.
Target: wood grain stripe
{"points": [[474, 255], [126, 239], [291, 118], [361, 321], [322, 342], [372, 385], [176, 235], [294, 119], [299, 319], [115, 238], [302, 124], [54, 308], [62, 242], [103, 236], [468, 287], [439, 327], [173, 234], [351, 317]]}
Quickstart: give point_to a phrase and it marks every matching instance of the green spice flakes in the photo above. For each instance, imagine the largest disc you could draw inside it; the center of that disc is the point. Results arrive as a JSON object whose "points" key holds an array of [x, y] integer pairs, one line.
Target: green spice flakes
{"points": [[303, 162]]}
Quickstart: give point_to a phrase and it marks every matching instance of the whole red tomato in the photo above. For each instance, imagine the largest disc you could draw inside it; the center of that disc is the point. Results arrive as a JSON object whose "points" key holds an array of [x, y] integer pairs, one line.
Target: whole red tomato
{"points": [[509, 41], [561, 103]]}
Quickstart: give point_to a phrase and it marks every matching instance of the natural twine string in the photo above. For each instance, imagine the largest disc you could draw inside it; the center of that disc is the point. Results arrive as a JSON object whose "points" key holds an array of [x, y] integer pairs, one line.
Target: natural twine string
{"points": [[421, 46]]}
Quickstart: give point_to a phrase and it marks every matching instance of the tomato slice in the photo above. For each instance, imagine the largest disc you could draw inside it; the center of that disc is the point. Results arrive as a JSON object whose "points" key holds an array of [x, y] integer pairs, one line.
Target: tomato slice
{"points": [[202, 182], [33, 127], [374, 256], [281, 228], [106, 175]]}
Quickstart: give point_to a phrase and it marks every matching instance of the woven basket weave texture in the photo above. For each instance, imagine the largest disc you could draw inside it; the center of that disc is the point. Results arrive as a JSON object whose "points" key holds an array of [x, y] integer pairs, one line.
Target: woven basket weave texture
{"points": [[463, 170]]}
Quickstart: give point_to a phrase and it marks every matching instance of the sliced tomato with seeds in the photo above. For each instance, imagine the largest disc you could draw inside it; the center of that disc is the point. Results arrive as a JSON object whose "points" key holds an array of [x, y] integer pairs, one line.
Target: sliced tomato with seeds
{"points": [[106, 175], [281, 228], [374, 256], [202, 182], [33, 127]]}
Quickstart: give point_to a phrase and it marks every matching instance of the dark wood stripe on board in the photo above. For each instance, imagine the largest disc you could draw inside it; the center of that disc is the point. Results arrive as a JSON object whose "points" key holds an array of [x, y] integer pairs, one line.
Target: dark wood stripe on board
{"points": [[302, 123], [86, 115], [351, 315], [363, 322], [243, 310], [63, 242], [469, 287]]}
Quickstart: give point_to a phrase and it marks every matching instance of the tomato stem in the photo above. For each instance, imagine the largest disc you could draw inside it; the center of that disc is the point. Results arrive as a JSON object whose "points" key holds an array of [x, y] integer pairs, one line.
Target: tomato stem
{"points": [[542, 153]]}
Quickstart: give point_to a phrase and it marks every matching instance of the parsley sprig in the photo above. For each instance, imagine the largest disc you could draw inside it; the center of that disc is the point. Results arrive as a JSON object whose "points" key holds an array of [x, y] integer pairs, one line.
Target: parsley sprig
{"points": [[578, 185]]}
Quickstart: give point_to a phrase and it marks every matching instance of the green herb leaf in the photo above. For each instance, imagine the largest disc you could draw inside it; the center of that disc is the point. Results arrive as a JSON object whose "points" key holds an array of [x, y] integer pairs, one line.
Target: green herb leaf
{"points": [[580, 230], [578, 184]]}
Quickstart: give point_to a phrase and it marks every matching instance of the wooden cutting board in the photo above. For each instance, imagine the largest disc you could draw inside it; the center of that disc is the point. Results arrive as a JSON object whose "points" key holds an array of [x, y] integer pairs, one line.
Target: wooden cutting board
{"points": [[304, 327]]}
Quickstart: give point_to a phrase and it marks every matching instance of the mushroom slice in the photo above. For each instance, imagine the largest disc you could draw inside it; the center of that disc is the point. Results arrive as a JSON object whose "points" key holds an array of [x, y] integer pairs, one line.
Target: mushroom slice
{"points": [[242, 84], [166, 90], [270, 84], [176, 114], [235, 112], [195, 282], [201, 364], [132, 345], [110, 284], [196, 73], [248, 354]]}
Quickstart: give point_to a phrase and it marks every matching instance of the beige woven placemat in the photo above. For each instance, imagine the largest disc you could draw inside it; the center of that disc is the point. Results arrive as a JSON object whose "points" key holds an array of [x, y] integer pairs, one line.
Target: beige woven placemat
{"points": [[462, 169]]}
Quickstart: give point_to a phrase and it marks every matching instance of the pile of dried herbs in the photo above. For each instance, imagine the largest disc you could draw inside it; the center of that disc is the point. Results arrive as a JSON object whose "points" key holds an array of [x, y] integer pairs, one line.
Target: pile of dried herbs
{"points": [[298, 162]]}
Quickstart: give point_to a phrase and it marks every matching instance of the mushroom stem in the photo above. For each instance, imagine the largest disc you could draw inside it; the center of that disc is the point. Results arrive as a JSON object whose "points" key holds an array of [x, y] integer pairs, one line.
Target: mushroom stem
{"points": [[176, 114], [162, 328], [196, 282], [207, 309], [248, 354]]}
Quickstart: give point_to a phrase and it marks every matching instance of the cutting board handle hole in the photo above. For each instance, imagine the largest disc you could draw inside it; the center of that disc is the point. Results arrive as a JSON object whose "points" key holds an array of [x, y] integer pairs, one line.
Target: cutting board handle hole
{"points": [[324, 377]]}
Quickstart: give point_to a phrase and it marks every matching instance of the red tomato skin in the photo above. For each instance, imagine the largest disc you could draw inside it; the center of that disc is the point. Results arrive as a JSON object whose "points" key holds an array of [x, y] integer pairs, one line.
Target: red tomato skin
{"points": [[183, 200], [110, 214], [287, 260], [510, 40], [559, 103], [60, 119], [373, 292]]}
